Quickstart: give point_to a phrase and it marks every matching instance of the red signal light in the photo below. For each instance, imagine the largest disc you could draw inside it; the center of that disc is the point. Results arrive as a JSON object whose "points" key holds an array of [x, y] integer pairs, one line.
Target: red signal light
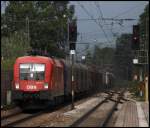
{"points": [[135, 37]]}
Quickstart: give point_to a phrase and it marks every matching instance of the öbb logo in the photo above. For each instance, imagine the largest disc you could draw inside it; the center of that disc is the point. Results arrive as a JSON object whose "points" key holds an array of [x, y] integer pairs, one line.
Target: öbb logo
{"points": [[31, 87]]}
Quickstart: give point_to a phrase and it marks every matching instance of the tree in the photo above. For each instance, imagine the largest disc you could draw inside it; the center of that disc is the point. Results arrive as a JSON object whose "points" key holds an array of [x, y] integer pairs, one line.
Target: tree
{"points": [[108, 55], [144, 36], [96, 56], [47, 26], [144, 25], [88, 58], [103, 56], [123, 57], [12, 47]]}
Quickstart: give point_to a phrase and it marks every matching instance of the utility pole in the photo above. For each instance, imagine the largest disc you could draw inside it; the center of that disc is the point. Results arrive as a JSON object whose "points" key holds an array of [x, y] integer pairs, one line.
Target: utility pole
{"points": [[28, 29], [67, 48], [127, 71]]}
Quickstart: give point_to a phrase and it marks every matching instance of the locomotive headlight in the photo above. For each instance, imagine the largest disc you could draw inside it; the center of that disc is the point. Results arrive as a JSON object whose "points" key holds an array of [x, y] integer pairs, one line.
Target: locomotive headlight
{"points": [[46, 85], [17, 85]]}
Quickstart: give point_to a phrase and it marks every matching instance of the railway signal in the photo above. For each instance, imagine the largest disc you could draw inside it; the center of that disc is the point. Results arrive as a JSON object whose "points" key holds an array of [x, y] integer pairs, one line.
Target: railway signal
{"points": [[72, 32], [72, 35], [135, 38], [72, 46]]}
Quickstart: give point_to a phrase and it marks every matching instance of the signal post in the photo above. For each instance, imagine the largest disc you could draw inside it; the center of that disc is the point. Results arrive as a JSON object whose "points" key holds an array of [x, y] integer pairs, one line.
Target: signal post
{"points": [[72, 53], [72, 39]]}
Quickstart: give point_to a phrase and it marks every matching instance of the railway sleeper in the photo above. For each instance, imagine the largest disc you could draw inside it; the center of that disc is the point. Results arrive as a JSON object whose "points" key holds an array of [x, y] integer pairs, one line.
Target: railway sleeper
{"points": [[116, 101]]}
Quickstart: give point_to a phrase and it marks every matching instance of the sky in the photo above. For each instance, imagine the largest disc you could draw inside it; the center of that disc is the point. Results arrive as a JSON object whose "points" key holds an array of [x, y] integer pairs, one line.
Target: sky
{"points": [[90, 32]]}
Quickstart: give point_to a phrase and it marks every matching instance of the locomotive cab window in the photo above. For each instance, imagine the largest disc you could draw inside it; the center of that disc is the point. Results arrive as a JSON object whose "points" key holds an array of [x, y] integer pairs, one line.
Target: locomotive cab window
{"points": [[32, 71]]}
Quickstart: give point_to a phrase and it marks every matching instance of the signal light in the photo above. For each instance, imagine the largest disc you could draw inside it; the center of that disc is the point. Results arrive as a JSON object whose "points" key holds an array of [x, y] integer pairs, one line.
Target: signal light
{"points": [[72, 32], [72, 35], [135, 38]]}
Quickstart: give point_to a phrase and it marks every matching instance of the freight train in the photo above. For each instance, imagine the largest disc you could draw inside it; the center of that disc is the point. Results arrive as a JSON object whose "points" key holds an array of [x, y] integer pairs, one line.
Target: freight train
{"points": [[40, 80]]}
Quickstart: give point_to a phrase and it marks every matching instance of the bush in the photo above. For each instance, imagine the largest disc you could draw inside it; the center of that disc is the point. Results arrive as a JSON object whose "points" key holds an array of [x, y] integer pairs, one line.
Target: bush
{"points": [[12, 47], [7, 64], [134, 89]]}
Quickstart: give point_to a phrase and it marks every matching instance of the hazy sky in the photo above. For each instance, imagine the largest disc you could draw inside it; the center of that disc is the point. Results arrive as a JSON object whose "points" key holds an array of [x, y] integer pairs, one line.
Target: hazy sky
{"points": [[91, 31]]}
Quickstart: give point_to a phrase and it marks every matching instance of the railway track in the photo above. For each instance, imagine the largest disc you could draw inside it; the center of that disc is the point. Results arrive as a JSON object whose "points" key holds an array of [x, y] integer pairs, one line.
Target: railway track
{"points": [[19, 117], [101, 113], [10, 115], [22, 116], [10, 112]]}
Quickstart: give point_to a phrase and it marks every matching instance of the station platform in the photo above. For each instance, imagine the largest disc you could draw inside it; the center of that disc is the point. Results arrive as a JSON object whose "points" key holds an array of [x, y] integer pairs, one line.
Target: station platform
{"points": [[133, 114]]}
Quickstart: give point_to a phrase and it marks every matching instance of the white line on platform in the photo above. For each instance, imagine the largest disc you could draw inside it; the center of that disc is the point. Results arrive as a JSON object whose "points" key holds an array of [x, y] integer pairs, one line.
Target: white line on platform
{"points": [[141, 116]]}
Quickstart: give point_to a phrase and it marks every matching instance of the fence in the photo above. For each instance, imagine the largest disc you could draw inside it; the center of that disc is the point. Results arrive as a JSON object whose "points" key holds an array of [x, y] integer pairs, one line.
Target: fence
{"points": [[6, 81]]}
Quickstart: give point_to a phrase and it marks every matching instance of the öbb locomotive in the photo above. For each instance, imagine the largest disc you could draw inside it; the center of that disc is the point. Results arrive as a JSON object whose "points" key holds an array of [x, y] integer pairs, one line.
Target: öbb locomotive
{"points": [[40, 80]]}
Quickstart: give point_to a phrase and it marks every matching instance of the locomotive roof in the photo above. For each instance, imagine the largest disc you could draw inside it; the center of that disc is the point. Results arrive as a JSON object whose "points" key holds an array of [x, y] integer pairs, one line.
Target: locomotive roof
{"points": [[32, 58]]}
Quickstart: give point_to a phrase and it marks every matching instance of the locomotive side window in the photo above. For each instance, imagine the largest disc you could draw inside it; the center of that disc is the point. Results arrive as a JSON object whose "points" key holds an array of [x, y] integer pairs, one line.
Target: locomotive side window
{"points": [[32, 71]]}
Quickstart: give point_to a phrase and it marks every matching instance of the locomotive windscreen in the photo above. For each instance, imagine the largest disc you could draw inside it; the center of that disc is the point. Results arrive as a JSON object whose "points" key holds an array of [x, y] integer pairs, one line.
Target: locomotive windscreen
{"points": [[32, 71]]}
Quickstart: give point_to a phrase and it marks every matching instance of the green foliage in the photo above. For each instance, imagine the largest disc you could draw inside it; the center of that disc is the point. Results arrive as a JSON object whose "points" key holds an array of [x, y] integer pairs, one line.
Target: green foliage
{"points": [[123, 57], [144, 41], [88, 58], [121, 83], [7, 107], [47, 26], [103, 56], [12, 47], [7, 64], [134, 89], [144, 21], [144, 32]]}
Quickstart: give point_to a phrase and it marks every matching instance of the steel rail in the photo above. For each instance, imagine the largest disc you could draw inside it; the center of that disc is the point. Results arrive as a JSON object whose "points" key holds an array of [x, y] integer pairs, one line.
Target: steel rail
{"points": [[77, 122]]}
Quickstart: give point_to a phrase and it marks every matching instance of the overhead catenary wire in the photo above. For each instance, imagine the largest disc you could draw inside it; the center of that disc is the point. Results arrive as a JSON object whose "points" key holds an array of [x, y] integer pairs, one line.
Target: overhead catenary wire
{"points": [[54, 19], [116, 15], [101, 15], [101, 27], [91, 32], [22, 19], [100, 11], [103, 19], [125, 12]]}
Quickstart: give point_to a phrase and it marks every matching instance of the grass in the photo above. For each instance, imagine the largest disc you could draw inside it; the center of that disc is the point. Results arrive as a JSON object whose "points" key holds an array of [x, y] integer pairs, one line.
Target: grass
{"points": [[6, 107], [134, 89]]}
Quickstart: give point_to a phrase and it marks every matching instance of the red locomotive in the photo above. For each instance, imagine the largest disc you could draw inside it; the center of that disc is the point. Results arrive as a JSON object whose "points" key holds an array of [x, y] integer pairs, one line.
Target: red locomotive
{"points": [[42, 80]]}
